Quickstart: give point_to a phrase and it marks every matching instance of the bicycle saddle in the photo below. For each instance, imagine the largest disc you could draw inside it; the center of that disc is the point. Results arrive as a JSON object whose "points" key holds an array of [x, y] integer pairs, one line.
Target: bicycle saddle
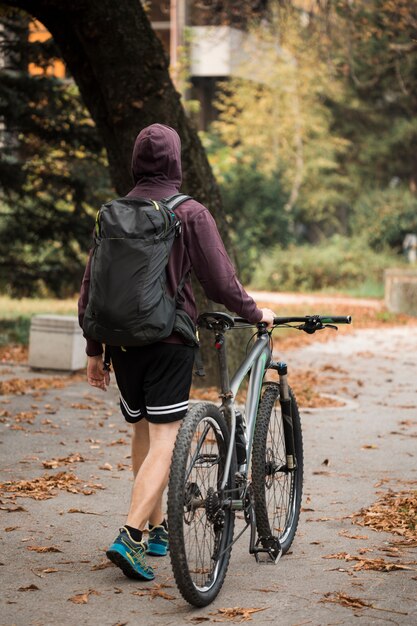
{"points": [[215, 321]]}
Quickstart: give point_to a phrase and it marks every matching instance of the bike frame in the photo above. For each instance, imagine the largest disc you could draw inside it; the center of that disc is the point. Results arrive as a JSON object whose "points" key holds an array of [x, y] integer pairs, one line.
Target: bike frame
{"points": [[256, 362]]}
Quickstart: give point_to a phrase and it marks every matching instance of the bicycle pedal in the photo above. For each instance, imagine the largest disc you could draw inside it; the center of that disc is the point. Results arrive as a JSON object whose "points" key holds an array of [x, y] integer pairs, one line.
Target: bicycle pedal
{"points": [[270, 553]]}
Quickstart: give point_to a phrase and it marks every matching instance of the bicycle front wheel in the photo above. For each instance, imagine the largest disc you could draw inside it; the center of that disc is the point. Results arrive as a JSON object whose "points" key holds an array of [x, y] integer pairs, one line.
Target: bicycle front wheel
{"points": [[277, 490], [200, 517]]}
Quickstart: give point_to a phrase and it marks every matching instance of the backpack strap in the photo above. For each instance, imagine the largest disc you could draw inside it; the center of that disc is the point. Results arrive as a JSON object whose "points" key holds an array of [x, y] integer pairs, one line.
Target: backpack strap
{"points": [[173, 201]]}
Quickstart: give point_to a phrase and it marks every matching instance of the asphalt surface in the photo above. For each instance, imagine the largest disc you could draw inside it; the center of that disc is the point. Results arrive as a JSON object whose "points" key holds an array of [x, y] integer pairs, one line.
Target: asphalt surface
{"points": [[353, 454]]}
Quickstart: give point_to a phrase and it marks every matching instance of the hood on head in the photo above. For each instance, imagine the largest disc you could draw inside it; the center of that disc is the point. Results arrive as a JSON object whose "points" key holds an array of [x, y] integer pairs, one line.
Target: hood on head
{"points": [[157, 155]]}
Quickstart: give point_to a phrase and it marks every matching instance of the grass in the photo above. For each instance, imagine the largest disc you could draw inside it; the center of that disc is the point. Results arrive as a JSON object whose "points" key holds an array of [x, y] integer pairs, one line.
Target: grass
{"points": [[15, 315]]}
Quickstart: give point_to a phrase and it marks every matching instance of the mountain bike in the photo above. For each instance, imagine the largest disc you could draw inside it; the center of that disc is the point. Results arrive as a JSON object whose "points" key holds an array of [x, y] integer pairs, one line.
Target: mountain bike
{"points": [[227, 460]]}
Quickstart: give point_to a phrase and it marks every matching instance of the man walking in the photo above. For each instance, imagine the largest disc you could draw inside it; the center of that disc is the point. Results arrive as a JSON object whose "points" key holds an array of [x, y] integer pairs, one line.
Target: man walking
{"points": [[154, 380]]}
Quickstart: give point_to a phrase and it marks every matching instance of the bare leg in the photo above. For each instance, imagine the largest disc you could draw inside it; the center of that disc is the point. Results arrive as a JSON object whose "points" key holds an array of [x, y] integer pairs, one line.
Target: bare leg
{"points": [[140, 448], [152, 476], [140, 444]]}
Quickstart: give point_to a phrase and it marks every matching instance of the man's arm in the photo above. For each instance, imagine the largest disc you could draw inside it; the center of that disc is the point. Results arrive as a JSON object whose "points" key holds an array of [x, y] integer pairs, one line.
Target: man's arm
{"points": [[215, 271]]}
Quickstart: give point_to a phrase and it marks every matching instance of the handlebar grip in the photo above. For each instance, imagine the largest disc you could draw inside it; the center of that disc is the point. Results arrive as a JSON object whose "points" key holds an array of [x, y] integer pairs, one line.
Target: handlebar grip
{"points": [[336, 319]]}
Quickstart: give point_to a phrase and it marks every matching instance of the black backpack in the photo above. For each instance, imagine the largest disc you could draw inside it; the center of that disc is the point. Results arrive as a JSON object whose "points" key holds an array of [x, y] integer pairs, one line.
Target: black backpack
{"points": [[128, 304]]}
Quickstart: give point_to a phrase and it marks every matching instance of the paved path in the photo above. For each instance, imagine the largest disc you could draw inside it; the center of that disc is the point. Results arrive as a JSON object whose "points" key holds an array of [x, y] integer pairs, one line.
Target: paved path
{"points": [[352, 454], [306, 298]]}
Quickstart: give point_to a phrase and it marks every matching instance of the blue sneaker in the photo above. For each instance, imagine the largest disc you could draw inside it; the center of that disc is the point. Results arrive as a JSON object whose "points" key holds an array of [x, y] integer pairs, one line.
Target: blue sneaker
{"points": [[158, 541], [129, 555]]}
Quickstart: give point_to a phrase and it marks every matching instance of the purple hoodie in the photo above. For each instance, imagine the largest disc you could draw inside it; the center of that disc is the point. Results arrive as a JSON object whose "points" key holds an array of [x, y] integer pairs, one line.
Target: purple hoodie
{"points": [[156, 168]]}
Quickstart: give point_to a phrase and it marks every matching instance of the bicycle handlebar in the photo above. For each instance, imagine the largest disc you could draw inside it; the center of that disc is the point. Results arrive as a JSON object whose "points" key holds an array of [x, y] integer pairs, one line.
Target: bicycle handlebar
{"points": [[309, 323], [324, 319]]}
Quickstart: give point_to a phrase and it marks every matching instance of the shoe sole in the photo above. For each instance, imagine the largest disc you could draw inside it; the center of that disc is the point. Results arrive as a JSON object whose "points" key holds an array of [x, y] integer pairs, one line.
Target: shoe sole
{"points": [[126, 567]]}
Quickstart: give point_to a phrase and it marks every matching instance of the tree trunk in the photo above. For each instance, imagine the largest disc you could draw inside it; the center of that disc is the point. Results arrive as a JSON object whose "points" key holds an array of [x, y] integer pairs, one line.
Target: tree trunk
{"points": [[122, 73]]}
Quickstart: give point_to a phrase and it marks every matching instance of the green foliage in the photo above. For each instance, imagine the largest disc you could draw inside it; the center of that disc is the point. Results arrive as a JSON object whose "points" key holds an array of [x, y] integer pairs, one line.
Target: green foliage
{"points": [[278, 119], [14, 331], [373, 44], [384, 217], [340, 264], [254, 203], [52, 168]]}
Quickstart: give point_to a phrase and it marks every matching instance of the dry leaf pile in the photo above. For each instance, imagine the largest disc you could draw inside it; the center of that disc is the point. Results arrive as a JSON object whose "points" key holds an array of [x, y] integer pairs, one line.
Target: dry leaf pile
{"points": [[377, 565], [338, 597], [47, 486], [393, 512], [304, 383], [21, 386], [64, 460], [15, 353]]}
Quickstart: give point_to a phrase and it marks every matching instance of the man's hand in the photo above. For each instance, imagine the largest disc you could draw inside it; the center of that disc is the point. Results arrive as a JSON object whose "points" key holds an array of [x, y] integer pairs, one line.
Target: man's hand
{"points": [[97, 376], [268, 317]]}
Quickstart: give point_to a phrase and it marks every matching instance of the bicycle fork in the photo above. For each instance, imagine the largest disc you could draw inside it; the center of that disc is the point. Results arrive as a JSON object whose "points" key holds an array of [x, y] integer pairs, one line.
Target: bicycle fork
{"points": [[285, 402]]}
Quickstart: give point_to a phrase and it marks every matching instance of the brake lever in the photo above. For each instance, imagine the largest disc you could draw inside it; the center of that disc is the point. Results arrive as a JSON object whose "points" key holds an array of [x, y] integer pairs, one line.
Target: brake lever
{"points": [[329, 326], [314, 324]]}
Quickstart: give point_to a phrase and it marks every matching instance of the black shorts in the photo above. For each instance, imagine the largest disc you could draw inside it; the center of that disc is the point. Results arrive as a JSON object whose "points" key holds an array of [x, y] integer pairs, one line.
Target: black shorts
{"points": [[154, 381]]}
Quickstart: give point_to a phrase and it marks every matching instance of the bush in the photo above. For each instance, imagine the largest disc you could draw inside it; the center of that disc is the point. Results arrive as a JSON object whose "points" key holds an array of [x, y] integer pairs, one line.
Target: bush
{"points": [[384, 217], [339, 264]]}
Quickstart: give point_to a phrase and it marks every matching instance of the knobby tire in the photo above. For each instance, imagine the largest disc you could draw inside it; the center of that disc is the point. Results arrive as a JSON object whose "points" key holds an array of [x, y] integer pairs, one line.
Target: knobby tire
{"points": [[200, 524], [277, 491]]}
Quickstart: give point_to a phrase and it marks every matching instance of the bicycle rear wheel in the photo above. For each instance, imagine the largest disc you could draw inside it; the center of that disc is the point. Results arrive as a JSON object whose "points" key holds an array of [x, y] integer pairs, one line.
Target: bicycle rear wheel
{"points": [[277, 490], [200, 518]]}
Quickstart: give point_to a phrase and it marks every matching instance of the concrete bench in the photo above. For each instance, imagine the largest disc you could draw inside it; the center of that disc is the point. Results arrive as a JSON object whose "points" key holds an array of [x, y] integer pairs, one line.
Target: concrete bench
{"points": [[401, 291], [56, 342]]}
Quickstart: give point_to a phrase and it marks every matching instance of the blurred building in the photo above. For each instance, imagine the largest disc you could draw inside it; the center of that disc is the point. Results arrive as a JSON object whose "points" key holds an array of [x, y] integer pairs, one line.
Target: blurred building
{"points": [[204, 41]]}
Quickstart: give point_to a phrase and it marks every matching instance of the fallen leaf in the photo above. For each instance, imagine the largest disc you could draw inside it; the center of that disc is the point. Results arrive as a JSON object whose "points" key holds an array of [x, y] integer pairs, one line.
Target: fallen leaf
{"points": [[106, 466], [346, 533], [345, 600], [26, 417], [82, 598], [83, 512], [338, 597], [118, 442], [43, 549], [81, 406], [50, 570], [103, 565], [370, 446], [154, 592], [338, 555], [236, 614], [29, 588], [66, 460]]}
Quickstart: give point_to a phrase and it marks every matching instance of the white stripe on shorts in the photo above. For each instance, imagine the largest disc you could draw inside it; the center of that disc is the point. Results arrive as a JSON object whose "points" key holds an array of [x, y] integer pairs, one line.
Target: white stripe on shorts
{"points": [[129, 411], [168, 408]]}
